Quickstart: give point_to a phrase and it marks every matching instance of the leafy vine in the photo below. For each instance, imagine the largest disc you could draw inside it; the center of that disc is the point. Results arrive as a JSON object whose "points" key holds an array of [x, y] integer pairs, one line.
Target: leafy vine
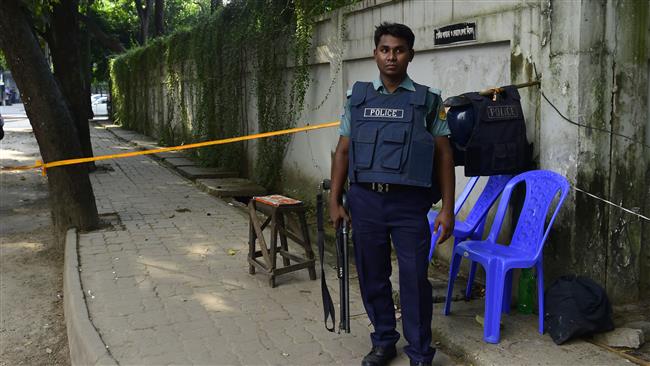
{"points": [[193, 83]]}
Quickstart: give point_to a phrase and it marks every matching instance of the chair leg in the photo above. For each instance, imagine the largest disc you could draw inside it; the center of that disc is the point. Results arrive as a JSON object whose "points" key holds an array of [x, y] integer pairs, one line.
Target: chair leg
{"points": [[453, 272], [493, 302], [434, 239], [540, 294], [470, 281], [476, 235], [507, 293], [431, 216]]}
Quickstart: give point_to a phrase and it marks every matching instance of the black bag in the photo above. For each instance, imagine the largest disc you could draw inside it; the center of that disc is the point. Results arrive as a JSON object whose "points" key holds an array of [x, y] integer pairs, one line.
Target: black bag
{"points": [[576, 306]]}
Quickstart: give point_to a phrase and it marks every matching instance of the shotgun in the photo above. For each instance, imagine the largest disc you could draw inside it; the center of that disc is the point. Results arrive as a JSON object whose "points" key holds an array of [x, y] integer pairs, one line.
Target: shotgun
{"points": [[342, 265]]}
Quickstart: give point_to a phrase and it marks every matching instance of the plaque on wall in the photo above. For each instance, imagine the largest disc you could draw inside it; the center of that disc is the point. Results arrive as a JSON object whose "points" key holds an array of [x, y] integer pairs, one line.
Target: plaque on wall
{"points": [[455, 33]]}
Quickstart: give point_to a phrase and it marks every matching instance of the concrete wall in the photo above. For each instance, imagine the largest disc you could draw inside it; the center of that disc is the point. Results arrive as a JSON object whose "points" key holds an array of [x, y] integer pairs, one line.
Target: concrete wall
{"points": [[593, 60], [597, 76], [508, 42], [592, 57]]}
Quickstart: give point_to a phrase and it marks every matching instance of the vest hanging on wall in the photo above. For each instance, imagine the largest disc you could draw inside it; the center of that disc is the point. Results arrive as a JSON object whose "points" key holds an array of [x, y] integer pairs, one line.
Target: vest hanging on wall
{"points": [[489, 136], [461, 121]]}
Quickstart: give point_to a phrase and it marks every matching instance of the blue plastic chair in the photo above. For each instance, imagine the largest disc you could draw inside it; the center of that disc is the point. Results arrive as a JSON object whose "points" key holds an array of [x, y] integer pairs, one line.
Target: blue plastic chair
{"points": [[524, 251], [473, 225]]}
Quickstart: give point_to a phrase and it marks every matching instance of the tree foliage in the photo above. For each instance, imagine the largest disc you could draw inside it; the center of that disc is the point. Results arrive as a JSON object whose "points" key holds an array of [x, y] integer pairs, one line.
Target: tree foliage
{"points": [[119, 18], [266, 42], [3, 61]]}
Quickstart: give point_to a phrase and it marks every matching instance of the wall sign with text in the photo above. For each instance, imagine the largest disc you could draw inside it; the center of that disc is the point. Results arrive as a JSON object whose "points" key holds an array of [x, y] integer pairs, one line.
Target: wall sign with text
{"points": [[461, 32]]}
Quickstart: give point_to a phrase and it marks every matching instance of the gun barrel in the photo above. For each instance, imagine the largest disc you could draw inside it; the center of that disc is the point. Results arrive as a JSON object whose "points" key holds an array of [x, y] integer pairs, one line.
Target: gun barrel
{"points": [[342, 264], [345, 297]]}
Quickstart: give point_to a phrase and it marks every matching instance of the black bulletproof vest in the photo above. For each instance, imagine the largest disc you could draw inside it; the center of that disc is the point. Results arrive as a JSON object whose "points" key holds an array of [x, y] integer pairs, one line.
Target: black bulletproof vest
{"points": [[461, 120], [498, 143]]}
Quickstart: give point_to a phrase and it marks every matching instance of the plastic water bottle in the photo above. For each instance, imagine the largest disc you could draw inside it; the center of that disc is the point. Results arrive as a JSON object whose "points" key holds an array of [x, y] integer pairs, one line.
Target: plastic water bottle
{"points": [[526, 292]]}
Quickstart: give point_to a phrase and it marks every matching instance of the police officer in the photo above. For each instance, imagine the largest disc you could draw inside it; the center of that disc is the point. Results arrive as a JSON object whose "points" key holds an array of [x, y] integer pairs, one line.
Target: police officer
{"points": [[393, 147]]}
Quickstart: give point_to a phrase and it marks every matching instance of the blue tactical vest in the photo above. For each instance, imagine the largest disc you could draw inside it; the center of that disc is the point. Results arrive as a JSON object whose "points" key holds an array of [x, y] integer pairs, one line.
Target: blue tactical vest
{"points": [[389, 142]]}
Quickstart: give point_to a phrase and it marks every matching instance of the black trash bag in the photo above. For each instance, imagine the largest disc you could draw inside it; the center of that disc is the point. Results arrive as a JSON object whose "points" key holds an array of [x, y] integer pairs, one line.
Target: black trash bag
{"points": [[576, 306]]}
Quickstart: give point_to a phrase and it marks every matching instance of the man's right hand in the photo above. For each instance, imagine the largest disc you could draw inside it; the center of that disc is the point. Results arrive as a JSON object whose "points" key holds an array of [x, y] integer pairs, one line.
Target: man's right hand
{"points": [[337, 213], [339, 172]]}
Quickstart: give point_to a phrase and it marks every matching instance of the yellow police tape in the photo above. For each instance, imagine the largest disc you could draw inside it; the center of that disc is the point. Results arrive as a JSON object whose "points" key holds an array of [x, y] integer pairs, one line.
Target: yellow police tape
{"points": [[44, 166]]}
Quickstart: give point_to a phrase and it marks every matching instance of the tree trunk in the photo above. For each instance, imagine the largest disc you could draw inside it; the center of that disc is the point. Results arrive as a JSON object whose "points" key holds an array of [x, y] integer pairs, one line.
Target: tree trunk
{"points": [[86, 57], [71, 194], [159, 18], [143, 14], [69, 69], [144, 29]]}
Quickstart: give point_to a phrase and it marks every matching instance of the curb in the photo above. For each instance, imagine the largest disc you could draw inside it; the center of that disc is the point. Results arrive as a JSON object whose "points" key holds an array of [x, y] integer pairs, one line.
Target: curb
{"points": [[86, 346], [453, 349]]}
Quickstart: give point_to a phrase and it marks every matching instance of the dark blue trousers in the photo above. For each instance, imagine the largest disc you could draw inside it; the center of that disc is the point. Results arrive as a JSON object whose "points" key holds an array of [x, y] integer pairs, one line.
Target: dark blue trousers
{"points": [[400, 216]]}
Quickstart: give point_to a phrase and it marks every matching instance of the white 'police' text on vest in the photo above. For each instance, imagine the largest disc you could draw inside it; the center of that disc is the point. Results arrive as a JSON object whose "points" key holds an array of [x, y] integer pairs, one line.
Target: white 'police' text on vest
{"points": [[383, 113], [502, 112]]}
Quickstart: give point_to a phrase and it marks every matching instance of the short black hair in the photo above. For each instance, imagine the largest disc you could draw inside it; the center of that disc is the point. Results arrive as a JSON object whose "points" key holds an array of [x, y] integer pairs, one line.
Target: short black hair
{"points": [[396, 30]]}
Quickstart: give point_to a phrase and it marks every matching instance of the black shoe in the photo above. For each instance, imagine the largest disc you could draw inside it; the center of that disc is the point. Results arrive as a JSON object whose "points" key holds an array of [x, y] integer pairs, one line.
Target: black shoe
{"points": [[415, 363], [379, 356]]}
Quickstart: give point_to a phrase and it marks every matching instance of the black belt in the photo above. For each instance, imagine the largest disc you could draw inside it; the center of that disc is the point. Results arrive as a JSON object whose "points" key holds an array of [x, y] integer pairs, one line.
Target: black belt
{"points": [[385, 187]]}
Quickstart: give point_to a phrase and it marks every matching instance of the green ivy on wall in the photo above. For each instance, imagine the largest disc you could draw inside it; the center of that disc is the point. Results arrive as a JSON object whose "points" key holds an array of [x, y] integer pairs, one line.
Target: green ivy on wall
{"points": [[193, 83]]}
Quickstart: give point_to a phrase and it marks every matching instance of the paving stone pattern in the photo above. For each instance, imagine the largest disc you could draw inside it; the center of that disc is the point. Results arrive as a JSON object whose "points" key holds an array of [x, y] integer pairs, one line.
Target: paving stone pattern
{"points": [[168, 282]]}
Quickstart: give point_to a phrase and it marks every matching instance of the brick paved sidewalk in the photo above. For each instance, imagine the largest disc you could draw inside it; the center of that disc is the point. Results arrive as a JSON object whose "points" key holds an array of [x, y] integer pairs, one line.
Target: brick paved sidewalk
{"points": [[168, 283]]}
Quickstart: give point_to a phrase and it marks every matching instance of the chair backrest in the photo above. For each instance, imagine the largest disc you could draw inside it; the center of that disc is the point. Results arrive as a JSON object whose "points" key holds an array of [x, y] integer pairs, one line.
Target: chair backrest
{"points": [[484, 202], [541, 188], [457, 206], [463, 196]]}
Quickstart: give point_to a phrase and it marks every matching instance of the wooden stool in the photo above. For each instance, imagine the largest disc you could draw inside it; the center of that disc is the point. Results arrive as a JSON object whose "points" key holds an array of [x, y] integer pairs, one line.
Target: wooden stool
{"points": [[275, 207]]}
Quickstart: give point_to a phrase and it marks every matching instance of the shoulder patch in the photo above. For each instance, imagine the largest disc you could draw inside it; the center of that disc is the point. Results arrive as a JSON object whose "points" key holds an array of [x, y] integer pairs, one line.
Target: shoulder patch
{"points": [[435, 91], [442, 114]]}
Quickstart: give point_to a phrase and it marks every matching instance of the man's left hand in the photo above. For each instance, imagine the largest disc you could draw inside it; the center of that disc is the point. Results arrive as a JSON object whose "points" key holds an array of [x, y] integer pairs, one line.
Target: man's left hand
{"points": [[445, 222]]}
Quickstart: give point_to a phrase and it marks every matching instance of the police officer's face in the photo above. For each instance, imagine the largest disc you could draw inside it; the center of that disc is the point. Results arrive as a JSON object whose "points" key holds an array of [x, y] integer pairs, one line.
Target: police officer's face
{"points": [[392, 56]]}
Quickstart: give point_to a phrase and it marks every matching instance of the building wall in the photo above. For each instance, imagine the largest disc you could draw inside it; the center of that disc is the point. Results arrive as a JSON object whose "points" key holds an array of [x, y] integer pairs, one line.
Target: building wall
{"points": [[593, 62], [592, 57]]}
